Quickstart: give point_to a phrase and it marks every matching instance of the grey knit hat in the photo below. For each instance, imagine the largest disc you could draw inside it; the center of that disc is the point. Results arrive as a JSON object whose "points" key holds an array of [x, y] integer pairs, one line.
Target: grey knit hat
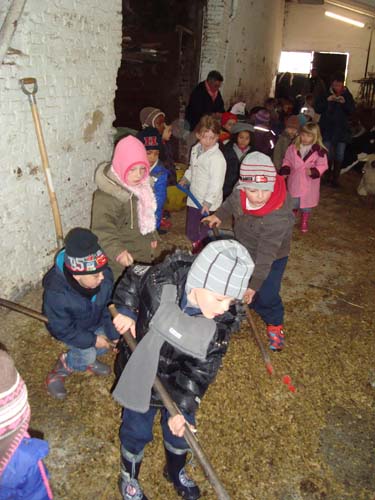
{"points": [[224, 267]]}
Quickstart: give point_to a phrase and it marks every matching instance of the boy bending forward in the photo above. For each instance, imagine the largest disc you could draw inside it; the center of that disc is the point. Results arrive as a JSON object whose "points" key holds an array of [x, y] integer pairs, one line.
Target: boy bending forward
{"points": [[182, 313]]}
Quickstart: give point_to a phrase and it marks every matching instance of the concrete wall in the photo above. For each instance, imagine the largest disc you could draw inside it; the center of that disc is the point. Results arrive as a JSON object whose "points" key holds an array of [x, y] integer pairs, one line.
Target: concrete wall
{"points": [[74, 50], [242, 39], [307, 28]]}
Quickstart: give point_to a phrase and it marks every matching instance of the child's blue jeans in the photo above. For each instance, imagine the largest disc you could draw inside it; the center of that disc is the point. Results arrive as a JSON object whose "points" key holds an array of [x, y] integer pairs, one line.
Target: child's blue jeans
{"points": [[267, 301], [79, 359], [136, 430]]}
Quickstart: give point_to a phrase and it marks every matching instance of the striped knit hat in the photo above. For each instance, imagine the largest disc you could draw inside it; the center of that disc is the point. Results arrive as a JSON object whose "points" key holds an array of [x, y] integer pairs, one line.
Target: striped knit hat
{"points": [[257, 172], [14, 409], [224, 267]]}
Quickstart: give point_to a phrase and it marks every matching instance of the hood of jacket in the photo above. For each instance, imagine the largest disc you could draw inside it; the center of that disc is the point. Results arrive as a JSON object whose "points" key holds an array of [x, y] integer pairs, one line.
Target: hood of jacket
{"points": [[107, 182]]}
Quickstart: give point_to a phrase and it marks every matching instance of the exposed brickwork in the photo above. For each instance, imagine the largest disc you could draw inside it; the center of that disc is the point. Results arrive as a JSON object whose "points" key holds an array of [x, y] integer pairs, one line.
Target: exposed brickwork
{"points": [[74, 50]]}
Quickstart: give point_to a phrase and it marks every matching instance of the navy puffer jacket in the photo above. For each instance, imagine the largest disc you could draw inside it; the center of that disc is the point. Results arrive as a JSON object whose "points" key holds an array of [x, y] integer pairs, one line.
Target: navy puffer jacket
{"points": [[72, 318]]}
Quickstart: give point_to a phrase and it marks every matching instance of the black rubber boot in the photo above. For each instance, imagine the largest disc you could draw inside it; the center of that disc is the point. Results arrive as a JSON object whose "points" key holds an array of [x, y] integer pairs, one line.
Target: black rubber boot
{"points": [[174, 471], [129, 486]]}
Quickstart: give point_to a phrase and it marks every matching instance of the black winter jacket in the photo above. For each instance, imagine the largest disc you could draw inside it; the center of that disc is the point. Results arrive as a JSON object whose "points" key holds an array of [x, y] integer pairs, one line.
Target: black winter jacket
{"points": [[200, 104], [185, 378]]}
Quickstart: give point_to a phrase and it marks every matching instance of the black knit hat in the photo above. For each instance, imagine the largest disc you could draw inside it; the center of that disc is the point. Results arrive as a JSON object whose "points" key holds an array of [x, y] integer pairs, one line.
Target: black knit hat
{"points": [[83, 254], [150, 138]]}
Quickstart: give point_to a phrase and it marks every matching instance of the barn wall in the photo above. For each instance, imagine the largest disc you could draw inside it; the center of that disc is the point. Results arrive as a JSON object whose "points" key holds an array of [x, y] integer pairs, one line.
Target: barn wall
{"points": [[73, 49]]}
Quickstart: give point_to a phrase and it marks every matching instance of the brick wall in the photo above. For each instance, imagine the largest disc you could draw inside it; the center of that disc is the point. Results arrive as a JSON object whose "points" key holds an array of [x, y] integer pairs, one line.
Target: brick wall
{"points": [[242, 39], [74, 50]]}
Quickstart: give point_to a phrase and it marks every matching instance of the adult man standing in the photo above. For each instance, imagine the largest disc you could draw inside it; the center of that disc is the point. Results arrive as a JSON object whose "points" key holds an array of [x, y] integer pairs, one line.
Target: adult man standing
{"points": [[205, 99], [315, 85], [335, 108]]}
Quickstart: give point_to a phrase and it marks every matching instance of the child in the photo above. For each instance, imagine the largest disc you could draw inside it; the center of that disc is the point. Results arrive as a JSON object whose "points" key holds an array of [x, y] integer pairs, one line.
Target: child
{"points": [[304, 163], [234, 152], [205, 175], [227, 122], [151, 139], [124, 205], [77, 291], [263, 223], [22, 472], [308, 109], [184, 320], [152, 117], [264, 137], [167, 156], [292, 125]]}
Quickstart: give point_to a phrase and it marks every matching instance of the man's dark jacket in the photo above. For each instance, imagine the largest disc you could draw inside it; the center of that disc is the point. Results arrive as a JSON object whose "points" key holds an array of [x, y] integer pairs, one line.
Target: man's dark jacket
{"points": [[201, 103]]}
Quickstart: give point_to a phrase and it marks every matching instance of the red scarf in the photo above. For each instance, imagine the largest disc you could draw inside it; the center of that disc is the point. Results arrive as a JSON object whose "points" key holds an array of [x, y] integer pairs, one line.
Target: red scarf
{"points": [[275, 202], [212, 93]]}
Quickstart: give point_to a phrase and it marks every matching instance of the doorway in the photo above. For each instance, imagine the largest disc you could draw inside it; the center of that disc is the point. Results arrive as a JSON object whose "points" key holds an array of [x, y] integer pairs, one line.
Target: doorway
{"points": [[330, 63], [160, 57]]}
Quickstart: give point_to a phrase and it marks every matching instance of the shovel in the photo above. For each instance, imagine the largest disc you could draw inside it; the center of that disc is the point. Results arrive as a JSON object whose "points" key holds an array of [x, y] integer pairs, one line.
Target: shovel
{"points": [[43, 153]]}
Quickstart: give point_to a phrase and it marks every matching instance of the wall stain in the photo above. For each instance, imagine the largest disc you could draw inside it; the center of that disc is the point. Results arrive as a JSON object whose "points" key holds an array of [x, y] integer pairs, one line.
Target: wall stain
{"points": [[93, 125]]}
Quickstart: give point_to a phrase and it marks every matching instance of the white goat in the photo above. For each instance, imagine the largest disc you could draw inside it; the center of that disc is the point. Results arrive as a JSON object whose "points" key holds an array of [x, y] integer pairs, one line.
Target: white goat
{"points": [[367, 184]]}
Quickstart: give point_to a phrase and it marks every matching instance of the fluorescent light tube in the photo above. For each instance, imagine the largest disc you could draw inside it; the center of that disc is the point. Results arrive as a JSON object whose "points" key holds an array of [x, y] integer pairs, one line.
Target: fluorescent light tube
{"points": [[344, 19]]}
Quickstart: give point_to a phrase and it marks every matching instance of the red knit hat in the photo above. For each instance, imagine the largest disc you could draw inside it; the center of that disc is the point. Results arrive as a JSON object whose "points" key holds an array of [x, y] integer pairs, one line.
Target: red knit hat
{"points": [[14, 409], [228, 116]]}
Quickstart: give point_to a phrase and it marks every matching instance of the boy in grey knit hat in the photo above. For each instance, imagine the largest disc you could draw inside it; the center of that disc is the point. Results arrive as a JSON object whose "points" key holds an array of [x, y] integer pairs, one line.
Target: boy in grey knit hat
{"points": [[182, 312]]}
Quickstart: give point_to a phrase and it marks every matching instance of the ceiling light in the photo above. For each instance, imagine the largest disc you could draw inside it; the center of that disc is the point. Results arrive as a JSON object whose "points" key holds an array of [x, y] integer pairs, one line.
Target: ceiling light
{"points": [[344, 19]]}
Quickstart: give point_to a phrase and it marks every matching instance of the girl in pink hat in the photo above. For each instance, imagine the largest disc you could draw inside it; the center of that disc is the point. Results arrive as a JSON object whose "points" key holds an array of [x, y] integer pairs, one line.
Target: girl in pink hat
{"points": [[123, 210]]}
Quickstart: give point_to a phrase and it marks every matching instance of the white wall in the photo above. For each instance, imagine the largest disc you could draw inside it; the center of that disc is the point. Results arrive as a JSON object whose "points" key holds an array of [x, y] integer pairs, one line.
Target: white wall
{"points": [[307, 28], [74, 50], [245, 47]]}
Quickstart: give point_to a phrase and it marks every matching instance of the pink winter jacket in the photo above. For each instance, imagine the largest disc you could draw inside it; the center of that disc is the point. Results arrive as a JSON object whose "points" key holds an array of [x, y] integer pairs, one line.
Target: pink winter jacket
{"points": [[300, 184]]}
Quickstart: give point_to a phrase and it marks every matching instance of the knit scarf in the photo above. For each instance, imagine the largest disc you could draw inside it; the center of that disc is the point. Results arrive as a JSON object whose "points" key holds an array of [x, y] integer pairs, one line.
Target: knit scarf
{"points": [[146, 203], [275, 202]]}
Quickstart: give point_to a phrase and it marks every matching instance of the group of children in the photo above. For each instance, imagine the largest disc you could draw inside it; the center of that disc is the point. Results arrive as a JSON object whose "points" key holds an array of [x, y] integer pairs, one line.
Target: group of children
{"points": [[182, 310]]}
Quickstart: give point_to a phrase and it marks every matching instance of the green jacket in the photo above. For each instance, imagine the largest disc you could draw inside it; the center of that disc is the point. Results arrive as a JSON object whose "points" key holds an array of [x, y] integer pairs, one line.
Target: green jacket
{"points": [[115, 221]]}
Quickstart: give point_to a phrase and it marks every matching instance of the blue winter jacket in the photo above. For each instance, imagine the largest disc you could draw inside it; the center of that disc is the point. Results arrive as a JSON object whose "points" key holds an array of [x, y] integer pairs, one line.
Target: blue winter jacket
{"points": [[72, 318], [160, 175], [21, 478]]}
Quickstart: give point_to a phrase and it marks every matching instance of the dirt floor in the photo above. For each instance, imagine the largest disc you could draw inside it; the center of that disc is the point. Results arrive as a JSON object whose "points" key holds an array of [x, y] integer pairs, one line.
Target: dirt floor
{"points": [[265, 442]]}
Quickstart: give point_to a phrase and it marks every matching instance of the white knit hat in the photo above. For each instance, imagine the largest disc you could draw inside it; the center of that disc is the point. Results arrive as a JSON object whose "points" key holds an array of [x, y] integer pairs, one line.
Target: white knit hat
{"points": [[257, 172], [224, 267]]}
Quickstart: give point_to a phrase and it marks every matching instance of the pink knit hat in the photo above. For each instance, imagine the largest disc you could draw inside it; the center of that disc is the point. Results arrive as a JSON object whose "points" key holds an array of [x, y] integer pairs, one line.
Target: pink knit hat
{"points": [[129, 152], [14, 409]]}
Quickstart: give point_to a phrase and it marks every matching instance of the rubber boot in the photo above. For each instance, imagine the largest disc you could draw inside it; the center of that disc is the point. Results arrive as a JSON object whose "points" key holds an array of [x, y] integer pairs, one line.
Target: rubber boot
{"points": [[130, 488], [295, 212], [276, 337], [99, 368], [305, 222], [56, 378], [336, 174], [174, 472]]}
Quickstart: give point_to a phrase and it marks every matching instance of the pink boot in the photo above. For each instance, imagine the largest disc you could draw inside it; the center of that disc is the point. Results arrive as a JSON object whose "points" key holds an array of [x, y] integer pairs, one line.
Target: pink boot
{"points": [[305, 222]]}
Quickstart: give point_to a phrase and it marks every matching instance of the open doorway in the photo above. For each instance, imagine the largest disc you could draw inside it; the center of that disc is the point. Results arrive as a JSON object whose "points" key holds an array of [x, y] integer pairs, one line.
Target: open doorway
{"points": [[329, 63], [160, 57]]}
